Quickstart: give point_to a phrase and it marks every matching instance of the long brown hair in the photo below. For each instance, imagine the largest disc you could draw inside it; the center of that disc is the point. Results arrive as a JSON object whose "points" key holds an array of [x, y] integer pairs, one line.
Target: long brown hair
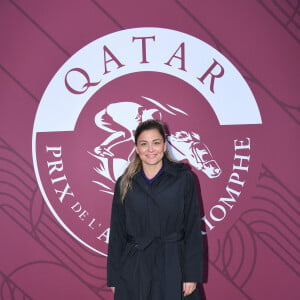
{"points": [[136, 164]]}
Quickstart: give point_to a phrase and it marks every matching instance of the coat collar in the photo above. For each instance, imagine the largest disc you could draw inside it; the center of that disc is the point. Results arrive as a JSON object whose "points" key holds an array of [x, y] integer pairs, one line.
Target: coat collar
{"points": [[169, 167], [173, 168]]}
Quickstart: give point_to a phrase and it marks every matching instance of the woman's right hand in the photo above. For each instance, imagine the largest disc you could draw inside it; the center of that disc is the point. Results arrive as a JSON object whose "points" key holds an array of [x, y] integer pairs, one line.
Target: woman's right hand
{"points": [[113, 289]]}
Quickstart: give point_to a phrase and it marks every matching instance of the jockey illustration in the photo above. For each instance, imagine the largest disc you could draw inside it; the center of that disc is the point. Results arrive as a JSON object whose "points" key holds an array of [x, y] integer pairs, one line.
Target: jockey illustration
{"points": [[120, 121]]}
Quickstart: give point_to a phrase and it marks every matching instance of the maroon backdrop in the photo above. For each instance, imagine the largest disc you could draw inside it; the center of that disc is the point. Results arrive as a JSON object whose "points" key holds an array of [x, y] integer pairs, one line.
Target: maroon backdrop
{"points": [[254, 253]]}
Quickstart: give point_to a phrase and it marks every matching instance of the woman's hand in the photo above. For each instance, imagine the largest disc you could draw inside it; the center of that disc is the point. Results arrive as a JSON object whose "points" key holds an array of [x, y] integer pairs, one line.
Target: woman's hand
{"points": [[188, 288], [113, 289]]}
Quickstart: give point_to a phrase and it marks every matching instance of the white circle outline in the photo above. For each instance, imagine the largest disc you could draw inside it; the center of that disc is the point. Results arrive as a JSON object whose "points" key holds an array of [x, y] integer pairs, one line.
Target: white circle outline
{"points": [[46, 117]]}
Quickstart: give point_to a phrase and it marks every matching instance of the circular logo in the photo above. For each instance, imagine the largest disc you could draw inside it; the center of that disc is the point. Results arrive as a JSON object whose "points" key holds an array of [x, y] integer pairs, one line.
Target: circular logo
{"points": [[84, 126]]}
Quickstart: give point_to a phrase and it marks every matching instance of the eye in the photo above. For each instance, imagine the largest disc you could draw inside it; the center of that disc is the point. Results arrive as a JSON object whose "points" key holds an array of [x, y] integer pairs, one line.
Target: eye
{"points": [[143, 144], [157, 143]]}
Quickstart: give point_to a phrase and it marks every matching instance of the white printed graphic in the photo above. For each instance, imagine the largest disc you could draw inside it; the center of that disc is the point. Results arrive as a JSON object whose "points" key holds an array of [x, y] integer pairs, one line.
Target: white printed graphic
{"points": [[71, 194], [120, 119]]}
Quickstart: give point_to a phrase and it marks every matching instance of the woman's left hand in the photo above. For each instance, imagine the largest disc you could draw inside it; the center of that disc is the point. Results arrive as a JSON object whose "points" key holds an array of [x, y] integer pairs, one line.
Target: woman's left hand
{"points": [[188, 288]]}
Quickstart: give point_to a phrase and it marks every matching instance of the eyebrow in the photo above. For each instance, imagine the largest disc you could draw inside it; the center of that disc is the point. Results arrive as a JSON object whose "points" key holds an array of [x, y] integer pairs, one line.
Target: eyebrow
{"points": [[150, 141]]}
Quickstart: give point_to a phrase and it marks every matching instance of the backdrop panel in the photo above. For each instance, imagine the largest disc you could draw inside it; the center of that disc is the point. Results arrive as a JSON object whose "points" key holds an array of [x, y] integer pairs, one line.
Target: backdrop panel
{"points": [[223, 75]]}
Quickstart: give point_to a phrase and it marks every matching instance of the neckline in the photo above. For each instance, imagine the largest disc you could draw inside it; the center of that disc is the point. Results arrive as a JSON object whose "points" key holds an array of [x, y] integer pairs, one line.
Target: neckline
{"points": [[150, 180]]}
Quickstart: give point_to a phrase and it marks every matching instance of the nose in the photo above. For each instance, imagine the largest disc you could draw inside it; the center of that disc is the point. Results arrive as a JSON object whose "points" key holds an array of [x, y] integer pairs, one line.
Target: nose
{"points": [[150, 147]]}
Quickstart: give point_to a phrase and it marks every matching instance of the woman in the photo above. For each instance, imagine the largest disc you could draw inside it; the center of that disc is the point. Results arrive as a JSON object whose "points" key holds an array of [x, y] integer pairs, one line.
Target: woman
{"points": [[155, 247]]}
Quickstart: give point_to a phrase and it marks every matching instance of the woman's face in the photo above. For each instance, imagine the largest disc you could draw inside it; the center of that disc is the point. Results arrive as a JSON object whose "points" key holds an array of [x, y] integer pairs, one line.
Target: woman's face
{"points": [[151, 147]]}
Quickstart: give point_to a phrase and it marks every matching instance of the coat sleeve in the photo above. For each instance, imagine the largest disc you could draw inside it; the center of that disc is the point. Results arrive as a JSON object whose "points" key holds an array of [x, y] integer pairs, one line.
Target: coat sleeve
{"points": [[193, 243], [117, 238]]}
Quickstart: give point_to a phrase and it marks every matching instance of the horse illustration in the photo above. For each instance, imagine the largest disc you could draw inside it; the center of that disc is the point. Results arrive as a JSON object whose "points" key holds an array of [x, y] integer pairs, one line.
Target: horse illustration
{"points": [[185, 145]]}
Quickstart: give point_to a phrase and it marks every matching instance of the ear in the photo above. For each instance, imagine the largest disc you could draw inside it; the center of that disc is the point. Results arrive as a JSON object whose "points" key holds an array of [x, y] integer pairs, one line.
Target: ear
{"points": [[136, 149], [165, 146]]}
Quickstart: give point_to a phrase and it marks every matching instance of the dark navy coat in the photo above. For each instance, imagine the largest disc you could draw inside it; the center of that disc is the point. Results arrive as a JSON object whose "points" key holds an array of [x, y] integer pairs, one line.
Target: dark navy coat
{"points": [[155, 238]]}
